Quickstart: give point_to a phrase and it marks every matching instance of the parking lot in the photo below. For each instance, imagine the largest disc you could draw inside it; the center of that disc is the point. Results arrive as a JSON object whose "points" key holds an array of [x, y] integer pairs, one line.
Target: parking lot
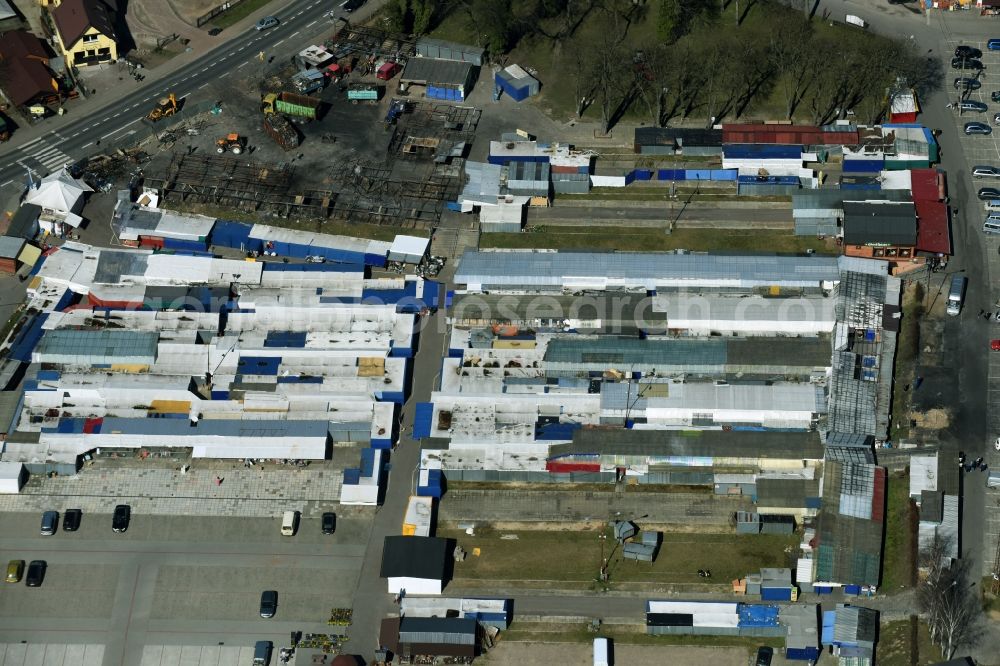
{"points": [[182, 581]]}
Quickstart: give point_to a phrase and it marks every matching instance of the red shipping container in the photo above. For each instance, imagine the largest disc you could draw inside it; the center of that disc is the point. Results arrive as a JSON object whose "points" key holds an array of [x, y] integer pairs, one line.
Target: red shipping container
{"points": [[557, 467], [558, 168], [387, 71], [154, 242]]}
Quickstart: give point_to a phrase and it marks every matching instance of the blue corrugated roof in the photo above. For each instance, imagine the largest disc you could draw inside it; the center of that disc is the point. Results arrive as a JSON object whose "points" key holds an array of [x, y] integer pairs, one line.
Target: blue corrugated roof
{"points": [[422, 420]]}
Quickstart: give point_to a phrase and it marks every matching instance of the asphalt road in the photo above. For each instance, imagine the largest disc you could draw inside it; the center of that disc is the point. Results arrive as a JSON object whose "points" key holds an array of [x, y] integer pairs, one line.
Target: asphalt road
{"points": [[175, 581], [75, 138]]}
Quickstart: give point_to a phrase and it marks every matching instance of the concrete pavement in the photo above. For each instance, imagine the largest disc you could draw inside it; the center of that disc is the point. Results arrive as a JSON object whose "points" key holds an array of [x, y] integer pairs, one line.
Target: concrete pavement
{"points": [[371, 601]]}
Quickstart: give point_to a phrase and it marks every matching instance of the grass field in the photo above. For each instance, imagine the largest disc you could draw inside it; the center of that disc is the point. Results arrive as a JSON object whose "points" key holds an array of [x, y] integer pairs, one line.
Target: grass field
{"points": [[653, 240], [906, 643], [899, 560], [573, 559]]}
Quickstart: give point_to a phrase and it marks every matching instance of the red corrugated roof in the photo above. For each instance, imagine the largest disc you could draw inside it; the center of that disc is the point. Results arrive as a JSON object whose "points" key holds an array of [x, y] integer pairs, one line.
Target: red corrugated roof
{"points": [[925, 184], [808, 135], [567, 467], [933, 233]]}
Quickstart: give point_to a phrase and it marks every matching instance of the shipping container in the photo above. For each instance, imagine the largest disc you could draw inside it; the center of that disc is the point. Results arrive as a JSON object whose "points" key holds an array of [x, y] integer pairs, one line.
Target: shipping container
{"points": [[776, 594], [364, 92], [436, 48]]}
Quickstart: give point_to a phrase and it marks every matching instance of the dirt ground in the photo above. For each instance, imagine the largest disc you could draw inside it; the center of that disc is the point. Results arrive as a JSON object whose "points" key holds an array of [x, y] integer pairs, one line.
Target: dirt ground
{"points": [[545, 654]]}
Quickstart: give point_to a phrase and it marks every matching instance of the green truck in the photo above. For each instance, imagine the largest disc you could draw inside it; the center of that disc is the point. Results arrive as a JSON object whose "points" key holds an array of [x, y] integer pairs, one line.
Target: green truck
{"points": [[364, 92], [298, 107]]}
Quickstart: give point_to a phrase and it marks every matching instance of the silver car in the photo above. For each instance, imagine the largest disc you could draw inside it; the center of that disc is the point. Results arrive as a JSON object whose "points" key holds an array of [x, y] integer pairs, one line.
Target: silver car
{"points": [[985, 171], [978, 128]]}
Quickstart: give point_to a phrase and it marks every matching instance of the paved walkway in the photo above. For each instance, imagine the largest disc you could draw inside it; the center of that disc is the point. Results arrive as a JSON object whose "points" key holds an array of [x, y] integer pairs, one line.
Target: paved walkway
{"points": [[564, 504], [243, 492], [50, 654]]}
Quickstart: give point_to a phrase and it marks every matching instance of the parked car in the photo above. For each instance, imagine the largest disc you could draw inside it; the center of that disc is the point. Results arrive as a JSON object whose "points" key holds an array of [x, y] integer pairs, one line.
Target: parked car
{"points": [[995, 96], [995, 345], [966, 83], [71, 520], [985, 171], [50, 523], [996, 118], [351, 5], [993, 45], [966, 63], [764, 656], [268, 603], [989, 193], [36, 573], [972, 105], [121, 518], [15, 569], [964, 51], [978, 128], [267, 22], [329, 523]]}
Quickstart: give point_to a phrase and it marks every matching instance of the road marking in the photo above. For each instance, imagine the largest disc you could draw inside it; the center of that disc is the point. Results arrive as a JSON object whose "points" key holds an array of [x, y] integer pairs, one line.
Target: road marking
{"points": [[313, 23], [231, 54], [86, 145], [7, 183], [278, 43], [205, 70], [294, 33], [32, 142], [202, 86], [244, 64], [126, 125]]}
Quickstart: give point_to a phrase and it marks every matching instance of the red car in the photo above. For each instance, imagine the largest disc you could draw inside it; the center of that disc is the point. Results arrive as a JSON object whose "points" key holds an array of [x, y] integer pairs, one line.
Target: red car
{"points": [[995, 345]]}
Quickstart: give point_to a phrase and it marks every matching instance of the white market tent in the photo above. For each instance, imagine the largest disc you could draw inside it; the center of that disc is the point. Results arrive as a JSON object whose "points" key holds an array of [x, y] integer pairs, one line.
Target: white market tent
{"points": [[60, 192], [409, 249]]}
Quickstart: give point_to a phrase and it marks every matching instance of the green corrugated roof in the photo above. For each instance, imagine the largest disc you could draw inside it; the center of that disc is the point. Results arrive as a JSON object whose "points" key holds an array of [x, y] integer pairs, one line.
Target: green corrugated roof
{"points": [[104, 346]]}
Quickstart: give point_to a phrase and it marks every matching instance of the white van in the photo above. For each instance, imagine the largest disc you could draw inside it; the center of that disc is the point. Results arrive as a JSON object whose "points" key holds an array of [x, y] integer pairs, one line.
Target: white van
{"points": [[289, 523]]}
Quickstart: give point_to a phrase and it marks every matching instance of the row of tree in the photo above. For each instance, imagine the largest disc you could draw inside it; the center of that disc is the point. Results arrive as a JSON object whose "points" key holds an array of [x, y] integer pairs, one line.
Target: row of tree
{"points": [[818, 75]]}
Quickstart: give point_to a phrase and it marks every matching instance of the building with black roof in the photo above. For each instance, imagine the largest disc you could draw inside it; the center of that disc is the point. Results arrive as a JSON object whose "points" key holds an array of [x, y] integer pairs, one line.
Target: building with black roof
{"points": [[417, 565], [880, 229]]}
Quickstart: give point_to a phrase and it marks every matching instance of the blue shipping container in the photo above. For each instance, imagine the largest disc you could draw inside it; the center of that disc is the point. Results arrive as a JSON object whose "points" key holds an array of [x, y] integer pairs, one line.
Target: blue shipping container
{"points": [[776, 594]]}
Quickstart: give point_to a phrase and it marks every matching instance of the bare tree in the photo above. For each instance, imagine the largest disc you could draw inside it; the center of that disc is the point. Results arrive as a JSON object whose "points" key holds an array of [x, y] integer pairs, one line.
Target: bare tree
{"points": [[652, 78], [792, 57], [954, 615]]}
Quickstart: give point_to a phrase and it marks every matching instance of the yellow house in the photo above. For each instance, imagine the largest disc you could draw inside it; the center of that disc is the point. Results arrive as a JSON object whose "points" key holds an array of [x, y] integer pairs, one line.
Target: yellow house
{"points": [[86, 31]]}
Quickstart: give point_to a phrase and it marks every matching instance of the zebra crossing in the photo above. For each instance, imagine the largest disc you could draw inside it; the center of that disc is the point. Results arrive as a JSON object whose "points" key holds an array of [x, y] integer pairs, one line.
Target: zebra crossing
{"points": [[39, 152]]}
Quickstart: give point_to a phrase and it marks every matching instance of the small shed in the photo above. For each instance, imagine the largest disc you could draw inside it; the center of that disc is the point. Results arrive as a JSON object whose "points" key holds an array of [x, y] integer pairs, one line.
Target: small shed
{"points": [[747, 522], [409, 249], [517, 83], [12, 477], [10, 250], [642, 552], [624, 530]]}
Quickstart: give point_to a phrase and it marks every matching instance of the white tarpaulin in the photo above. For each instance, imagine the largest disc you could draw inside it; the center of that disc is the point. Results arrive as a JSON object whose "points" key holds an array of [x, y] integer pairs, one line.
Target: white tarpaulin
{"points": [[59, 191], [10, 477]]}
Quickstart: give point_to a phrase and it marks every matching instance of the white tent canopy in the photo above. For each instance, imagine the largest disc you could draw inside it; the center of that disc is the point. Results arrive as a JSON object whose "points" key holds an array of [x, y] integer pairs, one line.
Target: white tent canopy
{"points": [[59, 191]]}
